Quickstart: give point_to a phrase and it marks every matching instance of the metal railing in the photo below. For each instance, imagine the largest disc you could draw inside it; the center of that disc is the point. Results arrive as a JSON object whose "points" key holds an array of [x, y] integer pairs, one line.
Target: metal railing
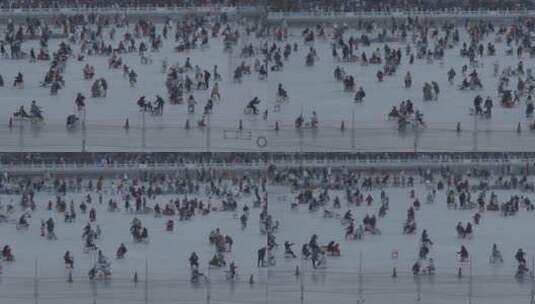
{"points": [[162, 137], [310, 287]]}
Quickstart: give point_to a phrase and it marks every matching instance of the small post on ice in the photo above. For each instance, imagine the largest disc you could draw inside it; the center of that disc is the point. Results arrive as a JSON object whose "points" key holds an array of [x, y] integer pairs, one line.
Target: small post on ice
{"points": [[208, 287], [418, 289], [267, 282], [302, 283], [240, 125], [187, 124], [127, 124], [35, 284], [21, 137], [518, 128], [458, 129], [146, 287], [532, 301], [342, 126], [143, 131], [208, 138], [475, 134], [251, 279], [353, 143], [470, 281], [10, 123], [268, 251], [302, 294], [277, 125], [394, 273], [135, 277], [94, 291], [84, 132], [83, 120], [69, 279], [416, 139], [360, 298], [459, 273]]}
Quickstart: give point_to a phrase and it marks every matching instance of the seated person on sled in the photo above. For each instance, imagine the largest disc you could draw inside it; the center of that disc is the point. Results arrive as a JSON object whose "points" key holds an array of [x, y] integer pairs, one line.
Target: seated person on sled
{"points": [[72, 120], [21, 113], [281, 93], [35, 111]]}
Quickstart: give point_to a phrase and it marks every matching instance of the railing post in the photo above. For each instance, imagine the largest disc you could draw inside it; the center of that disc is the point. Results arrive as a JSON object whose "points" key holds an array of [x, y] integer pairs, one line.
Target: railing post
{"points": [[35, 284]]}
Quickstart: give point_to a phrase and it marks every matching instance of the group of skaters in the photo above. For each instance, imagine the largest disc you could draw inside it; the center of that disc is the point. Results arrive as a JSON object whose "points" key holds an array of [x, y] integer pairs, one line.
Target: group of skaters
{"points": [[96, 36], [462, 188], [318, 190], [428, 41], [266, 50]]}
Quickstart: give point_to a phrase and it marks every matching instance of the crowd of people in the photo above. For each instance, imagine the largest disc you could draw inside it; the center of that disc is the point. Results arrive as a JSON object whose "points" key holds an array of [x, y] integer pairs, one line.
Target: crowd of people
{"points": [[103, 158], [267, 51], [337, 193], [23, 4], [392, 5], [338, 5]]}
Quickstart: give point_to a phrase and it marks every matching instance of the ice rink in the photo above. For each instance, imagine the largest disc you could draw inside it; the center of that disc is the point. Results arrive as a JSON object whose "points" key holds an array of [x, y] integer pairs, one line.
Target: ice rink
{"points": [[310, 89], [363, 271]]}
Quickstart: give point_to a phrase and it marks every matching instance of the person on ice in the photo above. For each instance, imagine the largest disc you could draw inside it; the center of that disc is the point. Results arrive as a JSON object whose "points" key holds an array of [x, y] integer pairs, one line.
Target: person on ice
{"points": [[416, 268], [7, 254], [281, 92], [218, 260], [359, 95], [121, 251], [50, 229], [463, 254], [35, 111], [80, 102], [19, 81], [315, 258], [243, 221], [23, 222], [425, 238], [232, 271], [261, 257], [196, 275], [215, 92], [305, 251], [69, 260], [314, 121], [451, 75], [132, 78], [348, 216], [408, 79], [288, 249], [495, 256], [519, 256], [194, 260], [228, 243], [430, 268], [251, 106]]}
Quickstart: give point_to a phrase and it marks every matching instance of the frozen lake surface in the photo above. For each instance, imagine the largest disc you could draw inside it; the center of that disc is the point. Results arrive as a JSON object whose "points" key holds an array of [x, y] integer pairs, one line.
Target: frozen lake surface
{"points": [[364, 269], [310, 89]]}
